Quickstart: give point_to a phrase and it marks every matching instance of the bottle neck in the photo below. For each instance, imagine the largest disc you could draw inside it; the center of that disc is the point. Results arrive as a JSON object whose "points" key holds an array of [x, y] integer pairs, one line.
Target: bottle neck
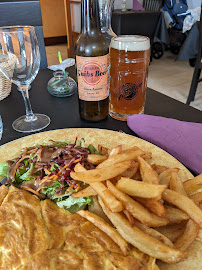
{"points": [[90, 20]]}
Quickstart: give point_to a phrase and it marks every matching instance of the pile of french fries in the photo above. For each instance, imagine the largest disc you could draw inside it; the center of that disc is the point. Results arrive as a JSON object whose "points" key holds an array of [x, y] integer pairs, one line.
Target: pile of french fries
{"points": [[149, 206]]}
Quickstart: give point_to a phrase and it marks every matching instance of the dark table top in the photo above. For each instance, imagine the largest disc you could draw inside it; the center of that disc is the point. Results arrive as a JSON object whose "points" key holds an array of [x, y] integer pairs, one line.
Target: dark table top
{"points": [[146, 23], [135, 22], [64, 111]]}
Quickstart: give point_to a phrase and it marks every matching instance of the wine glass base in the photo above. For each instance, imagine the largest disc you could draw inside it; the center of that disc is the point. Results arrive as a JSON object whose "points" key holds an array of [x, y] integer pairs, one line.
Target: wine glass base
{"points": [[29, 87], [22, 125]]}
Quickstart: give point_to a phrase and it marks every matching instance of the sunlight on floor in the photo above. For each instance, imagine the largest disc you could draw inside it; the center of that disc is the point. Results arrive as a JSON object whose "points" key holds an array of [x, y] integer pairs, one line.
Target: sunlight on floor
{"points": [[173, 78]]}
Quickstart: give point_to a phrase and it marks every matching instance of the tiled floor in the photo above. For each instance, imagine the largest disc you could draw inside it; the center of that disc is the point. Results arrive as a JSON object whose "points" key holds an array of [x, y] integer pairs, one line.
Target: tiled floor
{"points": [[173, 78], [170, 77]]}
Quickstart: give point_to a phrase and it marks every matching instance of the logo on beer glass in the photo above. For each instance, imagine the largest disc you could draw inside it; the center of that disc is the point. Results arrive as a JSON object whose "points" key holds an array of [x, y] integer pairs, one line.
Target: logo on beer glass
{"points": [[128, 91]]}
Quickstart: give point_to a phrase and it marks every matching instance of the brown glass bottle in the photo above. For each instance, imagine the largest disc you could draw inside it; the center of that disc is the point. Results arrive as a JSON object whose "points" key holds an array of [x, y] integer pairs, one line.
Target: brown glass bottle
{"points": [[92, 61]]}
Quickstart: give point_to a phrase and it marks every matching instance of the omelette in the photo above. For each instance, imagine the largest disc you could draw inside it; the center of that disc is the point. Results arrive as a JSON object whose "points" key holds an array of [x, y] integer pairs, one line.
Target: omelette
{"points": [[38, 235]]}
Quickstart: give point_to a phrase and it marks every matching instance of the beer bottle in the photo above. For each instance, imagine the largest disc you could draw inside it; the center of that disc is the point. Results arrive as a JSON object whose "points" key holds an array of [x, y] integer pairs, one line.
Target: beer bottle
{"points": [[92, 63]]}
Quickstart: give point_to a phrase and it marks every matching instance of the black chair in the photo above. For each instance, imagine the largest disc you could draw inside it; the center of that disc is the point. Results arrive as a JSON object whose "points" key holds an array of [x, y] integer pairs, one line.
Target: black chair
{"points": [[197, 70], [14, 12]]}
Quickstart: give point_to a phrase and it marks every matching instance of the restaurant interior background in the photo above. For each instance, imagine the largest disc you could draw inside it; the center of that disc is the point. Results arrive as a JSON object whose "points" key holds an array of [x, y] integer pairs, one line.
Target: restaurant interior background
{"points": [[166, 75]]}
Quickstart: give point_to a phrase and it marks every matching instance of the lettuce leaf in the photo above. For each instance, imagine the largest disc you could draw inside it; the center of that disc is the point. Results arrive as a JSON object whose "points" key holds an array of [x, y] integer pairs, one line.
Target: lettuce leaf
{"points": [[80, 142], [54, 167], [49, 191], [26, 176], [74, 204], [93, 150], [60, 143], [3, 169]]}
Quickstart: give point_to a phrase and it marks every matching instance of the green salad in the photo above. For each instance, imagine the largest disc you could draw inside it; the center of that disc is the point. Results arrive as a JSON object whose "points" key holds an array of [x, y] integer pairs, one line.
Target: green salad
{"points": [[44, 170]]}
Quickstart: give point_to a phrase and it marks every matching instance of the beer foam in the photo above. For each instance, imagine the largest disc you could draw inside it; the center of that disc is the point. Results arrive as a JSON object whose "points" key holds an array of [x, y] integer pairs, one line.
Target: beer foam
{"points": [[130, 43]]}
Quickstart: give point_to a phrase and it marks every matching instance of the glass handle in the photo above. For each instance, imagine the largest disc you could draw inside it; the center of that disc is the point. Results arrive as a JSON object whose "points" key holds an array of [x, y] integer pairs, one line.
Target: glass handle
{"points": [[29, 113]]}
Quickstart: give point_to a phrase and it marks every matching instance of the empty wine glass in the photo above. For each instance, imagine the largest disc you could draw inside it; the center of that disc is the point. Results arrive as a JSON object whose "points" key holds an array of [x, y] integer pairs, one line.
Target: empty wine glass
{"points": [[123, 5], [19, 62]]}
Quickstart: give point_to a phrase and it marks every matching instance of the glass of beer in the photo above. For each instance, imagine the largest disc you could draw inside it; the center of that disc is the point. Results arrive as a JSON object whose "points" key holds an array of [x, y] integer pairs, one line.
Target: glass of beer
{"points": [[129, 61]]}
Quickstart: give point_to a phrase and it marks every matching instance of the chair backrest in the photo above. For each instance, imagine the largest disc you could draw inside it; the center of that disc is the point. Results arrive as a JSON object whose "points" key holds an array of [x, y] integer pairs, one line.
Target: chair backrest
{"points": [[20, 12], [154, 5]]}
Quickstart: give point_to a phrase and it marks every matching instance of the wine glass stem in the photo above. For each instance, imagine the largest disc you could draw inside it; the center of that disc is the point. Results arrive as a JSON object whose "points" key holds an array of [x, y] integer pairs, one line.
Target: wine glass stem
{"points": [[30, 116]]}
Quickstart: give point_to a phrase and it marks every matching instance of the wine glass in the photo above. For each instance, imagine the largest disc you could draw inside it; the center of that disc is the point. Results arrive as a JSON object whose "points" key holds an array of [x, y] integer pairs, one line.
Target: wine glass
{"points": [[123, 5], [19, 62]]}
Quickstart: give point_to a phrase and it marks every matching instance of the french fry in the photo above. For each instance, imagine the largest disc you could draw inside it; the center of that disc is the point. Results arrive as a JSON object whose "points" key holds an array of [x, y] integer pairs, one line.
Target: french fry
{"points": [[136, 209], [185, 204], [153, 205], [96, 159], [152, 232], [199, 235], [79, 168], [147, 155], [175, 215], [124, 156], [192, 185], [104, 192], [132, 170], [89, 191], [105, 227], [147, 173], [139, 188], [151, 265], [188, 237], [197, 197], [142, 241], [144, 258], [129, 217], [101, 174], [172, 231], [176, 183], [115, 150], [110, 200], [164, 177], [192, 229], [102, 149], [159, 168]]}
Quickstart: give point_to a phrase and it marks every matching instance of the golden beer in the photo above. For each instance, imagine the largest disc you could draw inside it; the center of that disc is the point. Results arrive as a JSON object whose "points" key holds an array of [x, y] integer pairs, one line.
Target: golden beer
{"points": [[129, 61]]}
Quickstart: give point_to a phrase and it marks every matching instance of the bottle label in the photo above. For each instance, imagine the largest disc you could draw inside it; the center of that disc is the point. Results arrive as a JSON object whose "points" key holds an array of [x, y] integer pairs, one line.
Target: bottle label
{"points": [[93, 77]]}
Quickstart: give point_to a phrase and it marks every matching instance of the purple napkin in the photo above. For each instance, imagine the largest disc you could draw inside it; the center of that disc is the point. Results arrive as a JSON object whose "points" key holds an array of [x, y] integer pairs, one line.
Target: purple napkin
{"points": [[183, 140], [137, 5]]}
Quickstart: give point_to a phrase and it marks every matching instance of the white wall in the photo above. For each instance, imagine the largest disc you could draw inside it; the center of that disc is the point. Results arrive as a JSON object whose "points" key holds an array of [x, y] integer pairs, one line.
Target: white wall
{"points": [[76, 17]]}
